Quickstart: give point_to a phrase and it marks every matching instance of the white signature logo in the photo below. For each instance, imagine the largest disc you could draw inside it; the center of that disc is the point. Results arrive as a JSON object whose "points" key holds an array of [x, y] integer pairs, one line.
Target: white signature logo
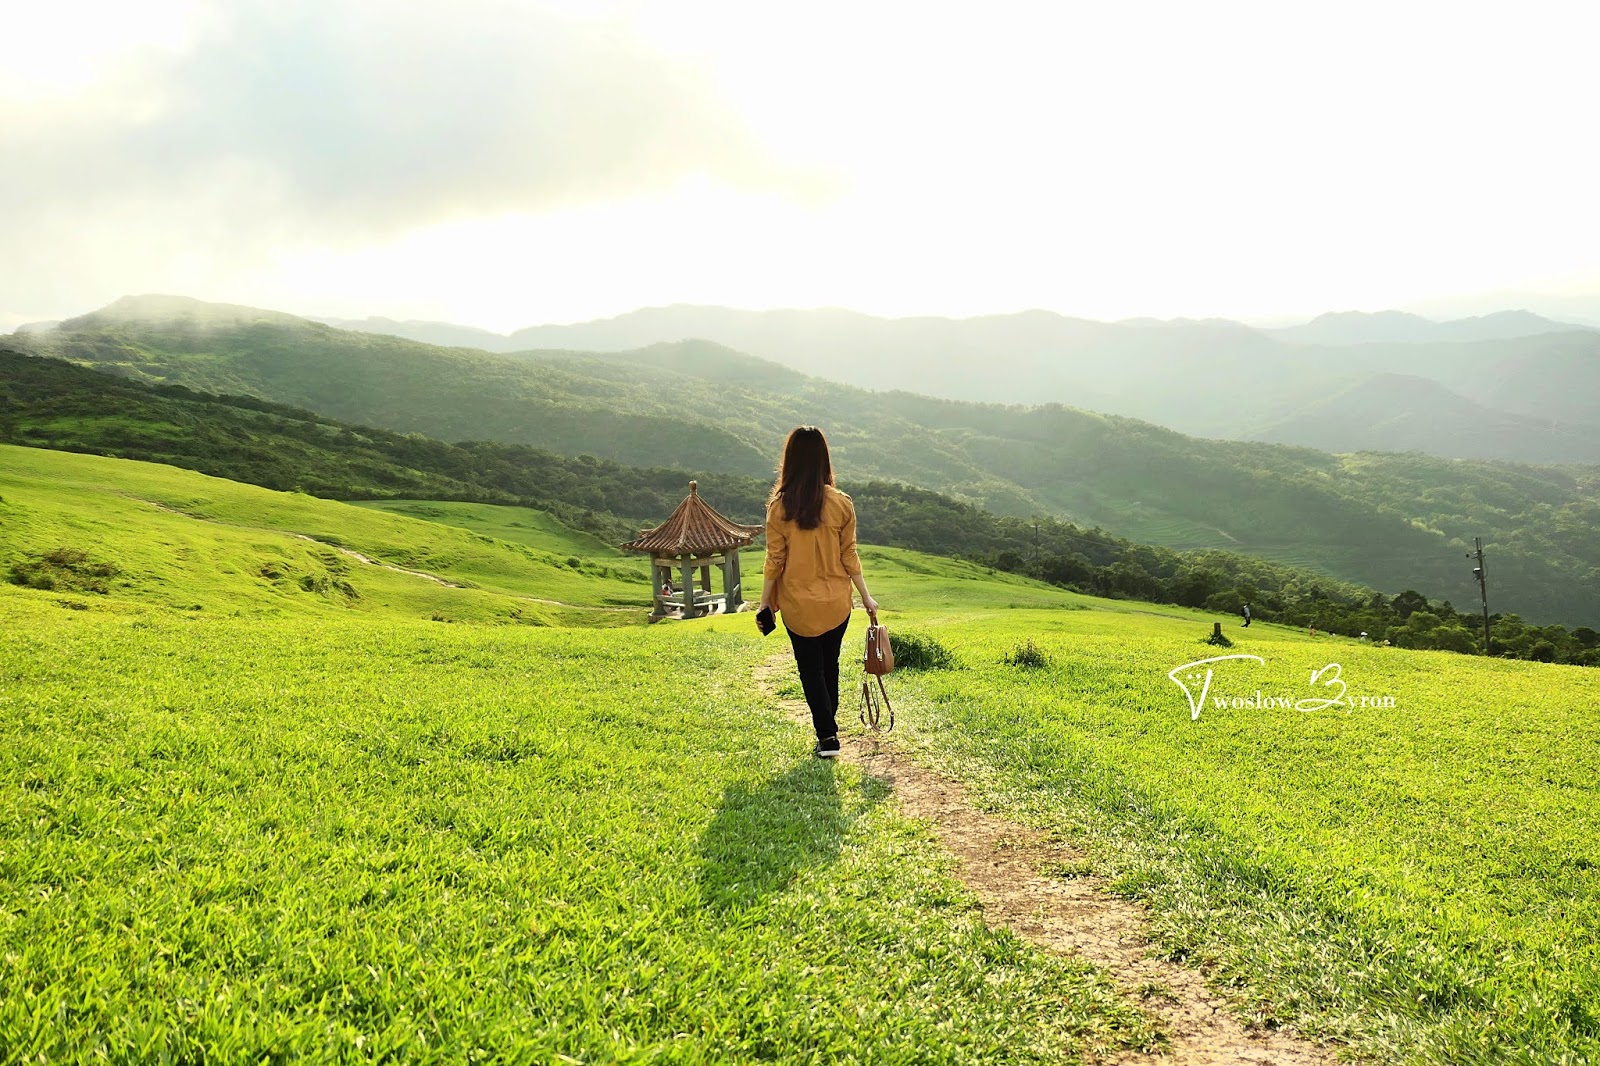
{"points": [[1196, 687], [1311, 703], [1198, 700]]}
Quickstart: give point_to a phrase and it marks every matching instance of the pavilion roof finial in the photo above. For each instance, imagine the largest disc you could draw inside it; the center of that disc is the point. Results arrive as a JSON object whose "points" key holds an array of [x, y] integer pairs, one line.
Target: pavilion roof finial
{"points": [[694, 488]]}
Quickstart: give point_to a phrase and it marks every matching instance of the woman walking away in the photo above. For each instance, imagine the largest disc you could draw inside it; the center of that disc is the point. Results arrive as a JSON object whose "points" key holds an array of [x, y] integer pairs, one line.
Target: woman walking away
{"points": [[811, 564]]}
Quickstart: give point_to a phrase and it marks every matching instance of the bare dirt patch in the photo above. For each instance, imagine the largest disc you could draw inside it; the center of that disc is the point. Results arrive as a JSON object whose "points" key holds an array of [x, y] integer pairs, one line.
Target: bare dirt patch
{"points": [[1001, 863]]}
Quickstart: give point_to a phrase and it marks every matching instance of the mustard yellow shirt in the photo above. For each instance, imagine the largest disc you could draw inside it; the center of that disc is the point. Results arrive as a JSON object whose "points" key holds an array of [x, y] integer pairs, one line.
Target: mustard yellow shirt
{"points": [[813, 566]]}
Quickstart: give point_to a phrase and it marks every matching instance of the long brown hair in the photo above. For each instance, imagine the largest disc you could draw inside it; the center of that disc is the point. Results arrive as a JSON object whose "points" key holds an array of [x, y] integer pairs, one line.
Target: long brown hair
{"points": [[802, 475]]}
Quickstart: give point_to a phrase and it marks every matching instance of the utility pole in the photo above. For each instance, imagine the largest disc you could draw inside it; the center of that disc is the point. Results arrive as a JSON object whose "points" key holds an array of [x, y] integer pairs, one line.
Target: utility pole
{"points": [[1483, 587]]}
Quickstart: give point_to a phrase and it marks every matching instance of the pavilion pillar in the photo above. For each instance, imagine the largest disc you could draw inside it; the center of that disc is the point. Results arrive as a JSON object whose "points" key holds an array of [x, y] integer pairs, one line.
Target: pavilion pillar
{"points": [[658, 599], [688, 588], [732, 582]]}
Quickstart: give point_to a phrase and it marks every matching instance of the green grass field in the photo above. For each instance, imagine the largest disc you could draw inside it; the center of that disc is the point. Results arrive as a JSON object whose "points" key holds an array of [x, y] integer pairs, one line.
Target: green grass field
{"points": [[305, 821], [1423, 879], [351, 840]]}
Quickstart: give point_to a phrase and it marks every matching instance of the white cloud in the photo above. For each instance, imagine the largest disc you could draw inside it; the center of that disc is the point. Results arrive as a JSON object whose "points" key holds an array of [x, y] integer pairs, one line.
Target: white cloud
{"points": [[287, 122]]}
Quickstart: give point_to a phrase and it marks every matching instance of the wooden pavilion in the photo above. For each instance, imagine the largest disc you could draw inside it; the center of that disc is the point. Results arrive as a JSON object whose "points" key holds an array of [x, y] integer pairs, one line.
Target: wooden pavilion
{"points": [[694, 537]]}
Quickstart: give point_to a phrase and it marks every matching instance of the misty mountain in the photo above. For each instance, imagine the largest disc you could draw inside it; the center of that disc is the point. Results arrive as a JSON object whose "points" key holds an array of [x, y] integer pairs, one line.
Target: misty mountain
{"points": [[1418, 414], [1579, 307], [1341, 328], [175, 315], [1390, 521], [1556, 378], [447, 393], [443, 334], [1031, 356], [1210, 377]]}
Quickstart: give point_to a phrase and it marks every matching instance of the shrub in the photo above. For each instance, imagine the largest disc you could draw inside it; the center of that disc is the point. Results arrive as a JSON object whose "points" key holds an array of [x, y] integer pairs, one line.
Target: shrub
{"points": [[65, 569], [918, 651], [1028, 656], [323, 584]]}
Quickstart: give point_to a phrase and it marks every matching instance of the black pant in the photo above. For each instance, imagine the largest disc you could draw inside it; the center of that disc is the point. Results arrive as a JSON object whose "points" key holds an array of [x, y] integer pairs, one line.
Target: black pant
{"points": [[817, 659]]}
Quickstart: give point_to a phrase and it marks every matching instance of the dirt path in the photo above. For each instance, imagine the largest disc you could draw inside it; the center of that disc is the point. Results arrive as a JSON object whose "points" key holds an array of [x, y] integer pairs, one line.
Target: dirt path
{"points": [[1000, 862], [368, 560]]}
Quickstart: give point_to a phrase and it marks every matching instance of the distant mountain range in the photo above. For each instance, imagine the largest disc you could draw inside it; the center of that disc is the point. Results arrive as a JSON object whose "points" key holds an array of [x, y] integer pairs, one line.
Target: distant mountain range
{"points": [[1510, 385], [1399, 327], [1389, 521]]}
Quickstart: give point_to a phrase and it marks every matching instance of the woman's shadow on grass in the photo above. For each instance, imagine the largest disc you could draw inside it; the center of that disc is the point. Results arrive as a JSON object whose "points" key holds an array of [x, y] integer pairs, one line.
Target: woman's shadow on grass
{"points": [[764, 834]]}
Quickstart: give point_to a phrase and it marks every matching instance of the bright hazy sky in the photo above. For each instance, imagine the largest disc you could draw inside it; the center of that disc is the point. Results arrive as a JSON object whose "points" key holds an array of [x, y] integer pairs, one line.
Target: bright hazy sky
{"points": [[504, 163]]}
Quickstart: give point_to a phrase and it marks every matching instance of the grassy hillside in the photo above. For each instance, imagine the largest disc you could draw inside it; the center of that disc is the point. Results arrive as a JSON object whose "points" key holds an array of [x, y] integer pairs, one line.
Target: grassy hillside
{"points": [[113, 535], [516, 525], [1359, 517], [85, 532]]}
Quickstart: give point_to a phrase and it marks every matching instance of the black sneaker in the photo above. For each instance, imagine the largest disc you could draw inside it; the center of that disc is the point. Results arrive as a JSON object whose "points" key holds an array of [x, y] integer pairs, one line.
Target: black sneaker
{"points": [[827, 749]]}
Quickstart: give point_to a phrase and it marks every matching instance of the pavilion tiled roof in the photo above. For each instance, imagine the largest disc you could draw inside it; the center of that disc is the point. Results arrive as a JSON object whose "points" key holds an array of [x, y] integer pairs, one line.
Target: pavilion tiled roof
{"points": [[694, 528]]}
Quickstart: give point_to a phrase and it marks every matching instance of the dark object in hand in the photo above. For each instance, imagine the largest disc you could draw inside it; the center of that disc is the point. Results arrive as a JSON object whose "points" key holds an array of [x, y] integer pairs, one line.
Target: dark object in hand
{"points": [[765, 622]]}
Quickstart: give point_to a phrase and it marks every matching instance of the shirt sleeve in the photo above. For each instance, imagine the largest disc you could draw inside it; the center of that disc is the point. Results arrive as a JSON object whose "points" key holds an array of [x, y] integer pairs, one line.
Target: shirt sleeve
{"points": [[847, 541], [777, 547]]}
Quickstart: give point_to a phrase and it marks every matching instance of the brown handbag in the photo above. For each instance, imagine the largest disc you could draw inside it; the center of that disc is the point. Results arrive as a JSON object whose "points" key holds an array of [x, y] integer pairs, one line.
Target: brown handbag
{"points": [[879, 657], [876, 661]]}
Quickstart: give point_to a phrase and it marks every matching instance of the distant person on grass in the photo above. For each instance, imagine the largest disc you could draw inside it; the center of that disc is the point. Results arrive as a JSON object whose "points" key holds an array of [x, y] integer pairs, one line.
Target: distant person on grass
{"points": [[811, 564], [1246, 612]]}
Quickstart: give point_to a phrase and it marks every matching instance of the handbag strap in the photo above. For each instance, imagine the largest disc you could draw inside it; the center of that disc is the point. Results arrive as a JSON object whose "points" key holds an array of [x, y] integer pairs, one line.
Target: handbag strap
{"points": [[874, 704]]}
